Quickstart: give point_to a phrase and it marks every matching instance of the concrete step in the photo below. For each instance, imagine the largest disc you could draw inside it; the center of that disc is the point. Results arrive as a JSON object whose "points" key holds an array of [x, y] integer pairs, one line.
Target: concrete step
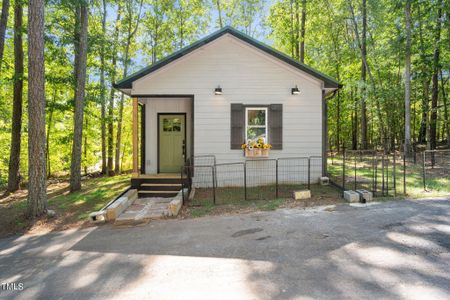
{"points": [[160, 187], [164, 194]]}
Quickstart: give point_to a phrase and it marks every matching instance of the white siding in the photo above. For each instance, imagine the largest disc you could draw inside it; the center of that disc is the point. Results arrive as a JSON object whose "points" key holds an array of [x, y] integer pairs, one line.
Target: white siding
{"points": [[248, 76], [153, 106]]}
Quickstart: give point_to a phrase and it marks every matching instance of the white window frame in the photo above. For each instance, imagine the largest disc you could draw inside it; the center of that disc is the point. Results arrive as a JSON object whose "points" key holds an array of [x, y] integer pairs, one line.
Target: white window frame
{"points": [[257, 126]]}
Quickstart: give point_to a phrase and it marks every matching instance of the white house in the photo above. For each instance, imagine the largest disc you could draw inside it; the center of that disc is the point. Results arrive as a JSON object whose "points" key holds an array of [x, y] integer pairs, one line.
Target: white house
{"points": [[216, 94]]}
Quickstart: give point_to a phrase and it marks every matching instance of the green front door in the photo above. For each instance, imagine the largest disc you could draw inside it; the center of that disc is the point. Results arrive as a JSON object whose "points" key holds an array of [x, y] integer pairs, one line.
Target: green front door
{"points": [[172, 137]]}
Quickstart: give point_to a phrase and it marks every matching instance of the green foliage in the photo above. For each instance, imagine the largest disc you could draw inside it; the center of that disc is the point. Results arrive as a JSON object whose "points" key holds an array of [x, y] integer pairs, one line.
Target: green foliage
{"points": [[164, 26]]}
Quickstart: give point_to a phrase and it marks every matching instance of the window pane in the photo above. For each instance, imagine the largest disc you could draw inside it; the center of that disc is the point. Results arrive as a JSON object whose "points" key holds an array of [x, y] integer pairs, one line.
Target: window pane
{"points": [[255, 133], [176, 125], [256, 117], [167, 125]]}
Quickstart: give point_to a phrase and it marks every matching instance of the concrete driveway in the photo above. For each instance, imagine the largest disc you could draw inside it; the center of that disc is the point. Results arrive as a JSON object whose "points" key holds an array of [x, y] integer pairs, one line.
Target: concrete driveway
{"points": [[383, 250]]}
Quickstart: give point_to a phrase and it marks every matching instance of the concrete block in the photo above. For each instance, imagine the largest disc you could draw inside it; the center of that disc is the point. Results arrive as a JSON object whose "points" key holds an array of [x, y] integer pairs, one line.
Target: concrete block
{"points": [[97, 217], [324, 180], [117, 207], [175, 206], [351, 196], [365, 196], [304, 194]]}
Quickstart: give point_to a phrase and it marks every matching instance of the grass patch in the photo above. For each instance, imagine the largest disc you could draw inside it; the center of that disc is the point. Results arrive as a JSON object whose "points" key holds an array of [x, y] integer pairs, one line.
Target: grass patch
{"points": [[71, 208]]}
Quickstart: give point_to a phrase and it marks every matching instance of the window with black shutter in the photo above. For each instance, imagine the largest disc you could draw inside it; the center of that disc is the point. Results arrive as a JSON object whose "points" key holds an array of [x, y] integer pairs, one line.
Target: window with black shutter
{"points": [[251, 122]]}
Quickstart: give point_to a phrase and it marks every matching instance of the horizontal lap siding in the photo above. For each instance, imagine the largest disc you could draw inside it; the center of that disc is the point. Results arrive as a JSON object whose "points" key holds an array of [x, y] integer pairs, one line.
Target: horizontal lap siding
{"points": [[246, 76]]}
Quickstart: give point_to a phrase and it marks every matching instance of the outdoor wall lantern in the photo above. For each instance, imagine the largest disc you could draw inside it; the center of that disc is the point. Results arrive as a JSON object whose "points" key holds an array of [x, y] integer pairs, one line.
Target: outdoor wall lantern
{"points": [[218, 90], [295, 91]]}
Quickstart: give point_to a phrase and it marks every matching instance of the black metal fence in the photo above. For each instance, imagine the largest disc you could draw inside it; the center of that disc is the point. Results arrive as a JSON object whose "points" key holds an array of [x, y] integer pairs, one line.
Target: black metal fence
{"points": [[388, 174], [254, 179]]}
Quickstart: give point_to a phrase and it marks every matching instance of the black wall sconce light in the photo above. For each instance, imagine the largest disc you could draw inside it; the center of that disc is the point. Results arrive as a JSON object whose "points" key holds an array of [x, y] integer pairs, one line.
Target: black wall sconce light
{"points": [[295, 91], [218, 90]]}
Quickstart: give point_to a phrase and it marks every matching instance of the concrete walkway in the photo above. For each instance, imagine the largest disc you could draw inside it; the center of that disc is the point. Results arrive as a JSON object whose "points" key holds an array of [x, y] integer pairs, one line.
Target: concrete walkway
{"points": [[143, 210], [395, 250]]}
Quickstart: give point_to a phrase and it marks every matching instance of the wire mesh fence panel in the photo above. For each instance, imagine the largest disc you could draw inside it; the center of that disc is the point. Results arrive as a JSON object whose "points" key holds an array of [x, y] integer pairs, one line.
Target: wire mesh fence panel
{"points": [[204, 160], [436, 169], [202, 181], [230, 182], [335, 168], [315, 169], [261, 179], [292, 175]]}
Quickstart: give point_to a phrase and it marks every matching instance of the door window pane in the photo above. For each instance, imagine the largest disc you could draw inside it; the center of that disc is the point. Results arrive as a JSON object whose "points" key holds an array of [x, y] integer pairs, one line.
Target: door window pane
{"points": [[176, 125], [167, 124]]}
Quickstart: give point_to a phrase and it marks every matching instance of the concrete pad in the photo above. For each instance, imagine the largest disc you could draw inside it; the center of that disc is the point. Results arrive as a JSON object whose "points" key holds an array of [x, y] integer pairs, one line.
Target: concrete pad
{"points": [[388, 250]]}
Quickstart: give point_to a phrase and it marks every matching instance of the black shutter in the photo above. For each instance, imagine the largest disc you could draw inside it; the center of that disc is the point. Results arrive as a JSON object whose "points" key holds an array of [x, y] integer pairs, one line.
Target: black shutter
{"points": [[237, 125], [276, 126]]}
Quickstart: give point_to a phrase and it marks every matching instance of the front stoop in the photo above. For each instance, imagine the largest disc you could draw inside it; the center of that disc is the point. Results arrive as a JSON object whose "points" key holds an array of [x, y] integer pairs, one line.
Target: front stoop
{"points": [[145, 209]]}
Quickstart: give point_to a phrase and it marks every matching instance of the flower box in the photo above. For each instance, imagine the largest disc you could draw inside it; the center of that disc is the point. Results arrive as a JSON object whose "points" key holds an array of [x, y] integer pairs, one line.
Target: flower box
{"points": [[257, 152]]}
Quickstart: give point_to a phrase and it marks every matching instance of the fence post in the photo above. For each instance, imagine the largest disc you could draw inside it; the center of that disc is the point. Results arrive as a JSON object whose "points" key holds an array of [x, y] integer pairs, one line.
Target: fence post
{"points": [[245, 181], [182, 186], [276, 179], [214, 186], [375, 182], [309, 173], [343, 171], [423, 171], [395, 175], [354, 181], [382, 174], [404, 174], [387, 175]]}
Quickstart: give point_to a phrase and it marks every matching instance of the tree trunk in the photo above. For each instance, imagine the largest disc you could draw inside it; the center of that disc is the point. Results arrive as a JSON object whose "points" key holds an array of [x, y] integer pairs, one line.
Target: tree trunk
{"points": [[14, 158], [37, 198], [297, 31], [408, 149], [3, 24], [103, 90], [85, 147], [131, 32], [302, 32], [372, 80], [435, 82], [111, 98], [363, 76], [446, 117], [219, 12], [292, 28], [75, 167], [49, 129]]}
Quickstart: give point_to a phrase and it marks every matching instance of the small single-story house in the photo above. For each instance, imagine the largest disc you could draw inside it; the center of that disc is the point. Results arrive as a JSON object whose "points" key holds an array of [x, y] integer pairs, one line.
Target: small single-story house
{"points": [[221, 91]]}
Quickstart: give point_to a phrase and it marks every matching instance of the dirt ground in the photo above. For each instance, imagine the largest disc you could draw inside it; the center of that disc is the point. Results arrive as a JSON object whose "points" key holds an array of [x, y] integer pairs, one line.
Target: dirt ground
{"points": [[320, 196]]}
